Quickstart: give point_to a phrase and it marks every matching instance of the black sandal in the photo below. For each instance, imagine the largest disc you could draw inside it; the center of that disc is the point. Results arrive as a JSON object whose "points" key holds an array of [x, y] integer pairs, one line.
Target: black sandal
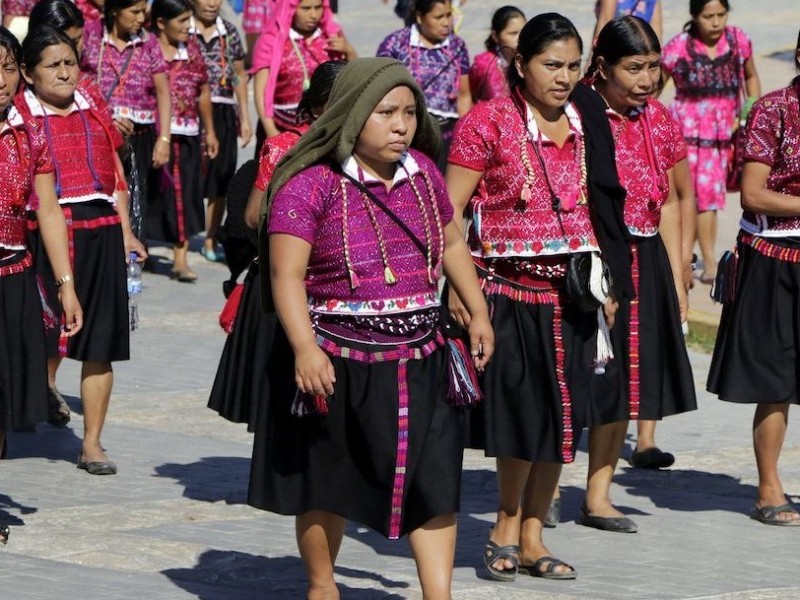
{"points": [[492, 553], [4, 533], [538, 569]]}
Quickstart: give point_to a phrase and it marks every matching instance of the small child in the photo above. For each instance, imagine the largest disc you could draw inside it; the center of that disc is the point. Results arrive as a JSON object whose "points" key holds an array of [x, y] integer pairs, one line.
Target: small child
{"points": [[224, 54], [176, 210]]}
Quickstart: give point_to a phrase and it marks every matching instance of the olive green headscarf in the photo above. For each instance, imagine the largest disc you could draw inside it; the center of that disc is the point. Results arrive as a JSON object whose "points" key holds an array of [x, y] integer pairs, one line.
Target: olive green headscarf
{"points": [[358, 89]]}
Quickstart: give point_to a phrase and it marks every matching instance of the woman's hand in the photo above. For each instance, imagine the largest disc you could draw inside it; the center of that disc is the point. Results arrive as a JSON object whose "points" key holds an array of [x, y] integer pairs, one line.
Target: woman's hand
{"points": [[132, 244], [481, 340], [124, 126], [457, 309], [683, 300], [313, 371], [161, 152], [340, 44], [610, 311], [212, 144], [245, 130], [73, 313]]}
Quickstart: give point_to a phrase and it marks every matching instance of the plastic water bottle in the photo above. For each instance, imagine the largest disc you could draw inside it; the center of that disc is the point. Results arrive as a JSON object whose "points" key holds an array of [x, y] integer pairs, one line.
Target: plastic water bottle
{"points": [[134, 289]]}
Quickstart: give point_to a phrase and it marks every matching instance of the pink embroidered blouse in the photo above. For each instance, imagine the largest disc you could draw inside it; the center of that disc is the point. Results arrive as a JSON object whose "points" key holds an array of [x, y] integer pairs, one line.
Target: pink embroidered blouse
{"points": [[492, 138], [487, 77], [311, 207], [648, 144], [773, 138]]}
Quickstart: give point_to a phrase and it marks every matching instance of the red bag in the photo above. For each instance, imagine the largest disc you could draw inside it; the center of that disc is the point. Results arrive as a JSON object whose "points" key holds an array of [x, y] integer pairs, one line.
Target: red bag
{"points": [[227, 317], [733, 180]]}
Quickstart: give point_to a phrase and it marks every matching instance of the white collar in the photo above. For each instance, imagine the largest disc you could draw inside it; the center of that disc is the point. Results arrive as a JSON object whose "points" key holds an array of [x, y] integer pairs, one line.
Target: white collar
{"points": [[182, 53], [134, 39], [294, 35], [410, 168], [39, 110], [14, 119], [416, 40], [575, 124], [219, 30]]}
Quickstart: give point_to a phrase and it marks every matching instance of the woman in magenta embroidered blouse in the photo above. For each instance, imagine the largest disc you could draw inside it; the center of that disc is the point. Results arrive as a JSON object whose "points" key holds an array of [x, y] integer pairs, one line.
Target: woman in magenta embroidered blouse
{"points": [[301, 35], [487, 75], [126, 62], [652, 377], [521, 166], [358, 298], [755, 357], [712, 66]]}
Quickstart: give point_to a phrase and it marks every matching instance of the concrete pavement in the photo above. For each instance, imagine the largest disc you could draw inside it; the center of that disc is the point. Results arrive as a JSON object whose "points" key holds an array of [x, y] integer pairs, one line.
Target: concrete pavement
{"points": [[173, 524]]}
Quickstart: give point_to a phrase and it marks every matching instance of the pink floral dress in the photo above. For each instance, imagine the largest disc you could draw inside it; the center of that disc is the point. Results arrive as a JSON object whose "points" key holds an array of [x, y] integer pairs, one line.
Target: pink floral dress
{"points": [[707, 100]]}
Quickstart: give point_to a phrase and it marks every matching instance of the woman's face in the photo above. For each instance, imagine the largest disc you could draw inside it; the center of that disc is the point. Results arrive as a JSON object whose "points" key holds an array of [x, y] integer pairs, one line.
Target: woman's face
{"points": [[207, 10], [711, 22], [128, 21], [55, 77], [390, 128], [509, 37], [307, 17], [176, 30], [435, 25], [632, 81], [76, 35], [550, 77], [9, 79]]}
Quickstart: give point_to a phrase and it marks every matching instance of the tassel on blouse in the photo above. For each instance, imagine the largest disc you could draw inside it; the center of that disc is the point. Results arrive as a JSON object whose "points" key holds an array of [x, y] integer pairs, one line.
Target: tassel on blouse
{"points": [[603, 351], [389, 276], [462, 377]]}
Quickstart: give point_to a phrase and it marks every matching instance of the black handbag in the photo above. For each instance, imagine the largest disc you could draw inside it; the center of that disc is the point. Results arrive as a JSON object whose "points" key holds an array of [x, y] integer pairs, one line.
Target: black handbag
{"points": [[588, 281]]}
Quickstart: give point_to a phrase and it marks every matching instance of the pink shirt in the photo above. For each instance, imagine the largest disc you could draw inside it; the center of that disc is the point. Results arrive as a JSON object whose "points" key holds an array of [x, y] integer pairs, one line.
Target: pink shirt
{"points": [[487, 77], [125, 77], [648, 144], [311, 207], [23, 154], [773, 138], [187, 75], [490, 139], [272, 151]]}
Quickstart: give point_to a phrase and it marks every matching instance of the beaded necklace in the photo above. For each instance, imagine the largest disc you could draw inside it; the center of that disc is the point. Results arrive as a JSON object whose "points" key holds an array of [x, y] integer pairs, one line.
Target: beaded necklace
{"points": [[579, 157], [389, 275]]}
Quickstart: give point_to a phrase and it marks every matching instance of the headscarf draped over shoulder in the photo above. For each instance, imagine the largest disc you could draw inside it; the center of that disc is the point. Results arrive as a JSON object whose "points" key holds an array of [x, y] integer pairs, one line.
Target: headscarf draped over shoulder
{"points": [[358, 89]]}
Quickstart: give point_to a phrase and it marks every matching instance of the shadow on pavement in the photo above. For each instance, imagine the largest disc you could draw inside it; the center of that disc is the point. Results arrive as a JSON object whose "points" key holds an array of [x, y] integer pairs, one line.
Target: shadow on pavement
{"points": [[6, 518], [689, 490], [230, 575], [212, 479], [52, 443]]}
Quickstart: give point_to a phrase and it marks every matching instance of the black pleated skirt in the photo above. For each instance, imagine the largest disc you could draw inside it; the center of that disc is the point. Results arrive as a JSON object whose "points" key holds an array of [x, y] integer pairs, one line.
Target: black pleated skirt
{"points": [[98, 263], [256, 357], [388, 455], [538, 384], [222, 168], [175, 209], [23, 362], [756, 355], [650, 376]]}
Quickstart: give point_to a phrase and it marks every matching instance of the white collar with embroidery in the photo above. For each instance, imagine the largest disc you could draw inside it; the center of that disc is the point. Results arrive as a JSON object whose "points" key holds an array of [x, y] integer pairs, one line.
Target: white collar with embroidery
{"points": [[182, 53], [219, 29], [134, 39], [294, 35], [39, 110], [416, 40], [14, 119], [408, 168], [575, 124]]}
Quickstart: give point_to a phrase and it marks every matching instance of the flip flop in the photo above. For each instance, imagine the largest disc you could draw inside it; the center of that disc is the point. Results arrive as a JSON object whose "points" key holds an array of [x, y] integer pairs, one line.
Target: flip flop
{"points": [[546, 567], [492, 553], [651, 458], [183, 275], [769, 515]]}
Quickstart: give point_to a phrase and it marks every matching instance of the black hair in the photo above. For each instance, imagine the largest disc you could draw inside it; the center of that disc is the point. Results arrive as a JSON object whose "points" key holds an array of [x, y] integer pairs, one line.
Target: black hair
{"points": [[60, 14], [110, 9], [622, 37], [422, 8], [319, 89], [797, 59], [500, 20], [538, 33], [168, 9], [10, 43], [39, 38], [696, 9]]}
